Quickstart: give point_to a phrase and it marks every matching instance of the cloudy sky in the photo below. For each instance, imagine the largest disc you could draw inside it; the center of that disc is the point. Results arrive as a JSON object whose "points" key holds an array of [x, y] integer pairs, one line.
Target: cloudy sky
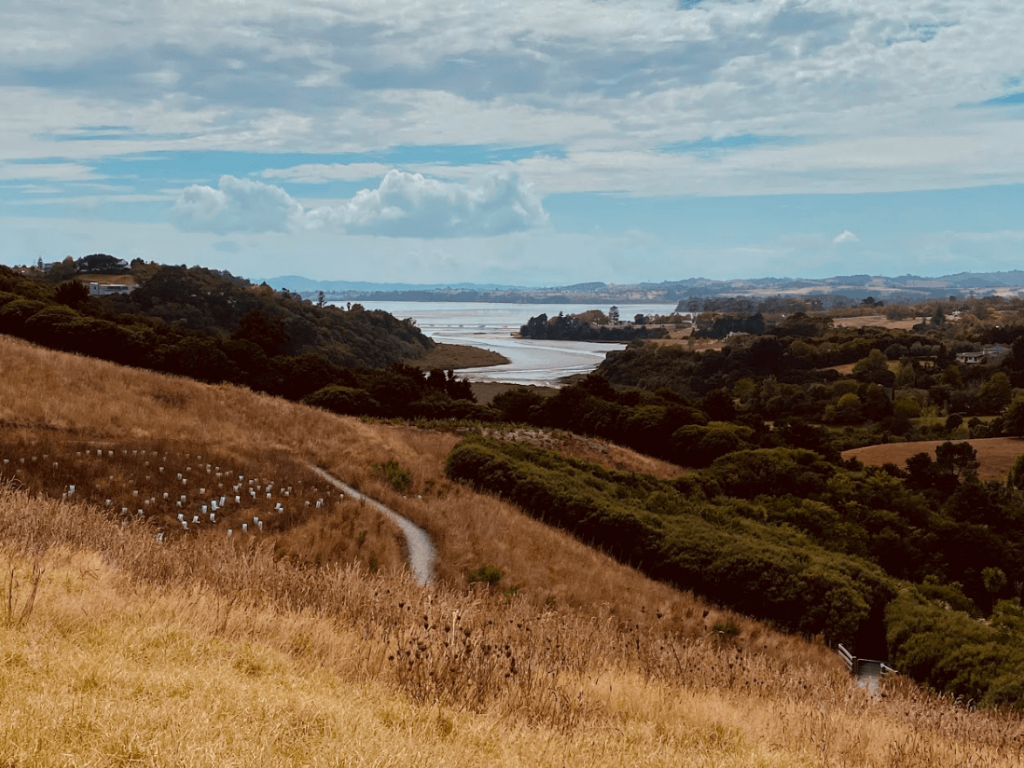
{"points": [[528, 142]]}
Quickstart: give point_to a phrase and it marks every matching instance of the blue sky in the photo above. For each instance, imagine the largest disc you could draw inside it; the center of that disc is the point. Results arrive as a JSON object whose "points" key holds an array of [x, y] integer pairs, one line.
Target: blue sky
{"points": [[527, 142]]}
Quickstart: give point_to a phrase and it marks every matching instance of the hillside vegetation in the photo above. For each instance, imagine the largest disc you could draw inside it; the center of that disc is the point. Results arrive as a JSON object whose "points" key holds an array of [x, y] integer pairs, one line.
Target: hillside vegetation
{"points": [[205, 324], [214, 327], [210, 650]]}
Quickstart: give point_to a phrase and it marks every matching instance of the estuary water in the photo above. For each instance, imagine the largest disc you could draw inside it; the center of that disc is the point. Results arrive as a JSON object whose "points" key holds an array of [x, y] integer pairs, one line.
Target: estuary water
{"points": [[493, 327]]}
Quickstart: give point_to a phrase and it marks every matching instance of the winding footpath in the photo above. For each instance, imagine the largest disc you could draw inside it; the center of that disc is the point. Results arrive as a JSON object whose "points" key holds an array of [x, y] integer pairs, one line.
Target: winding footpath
{"points": [[421, 549]]}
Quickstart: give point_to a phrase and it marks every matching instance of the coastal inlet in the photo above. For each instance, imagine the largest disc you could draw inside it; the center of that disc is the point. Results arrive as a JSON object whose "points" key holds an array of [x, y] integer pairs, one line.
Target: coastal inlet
{"points": [[495, 327]]}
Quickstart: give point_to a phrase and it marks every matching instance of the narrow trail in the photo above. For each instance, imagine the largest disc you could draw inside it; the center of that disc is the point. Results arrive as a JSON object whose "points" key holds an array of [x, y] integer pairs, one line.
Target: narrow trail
{"points": [[421, 549]]}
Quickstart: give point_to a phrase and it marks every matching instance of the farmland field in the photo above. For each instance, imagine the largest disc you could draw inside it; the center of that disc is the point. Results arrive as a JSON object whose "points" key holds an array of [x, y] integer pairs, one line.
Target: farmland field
{"points": [[996, 454]]}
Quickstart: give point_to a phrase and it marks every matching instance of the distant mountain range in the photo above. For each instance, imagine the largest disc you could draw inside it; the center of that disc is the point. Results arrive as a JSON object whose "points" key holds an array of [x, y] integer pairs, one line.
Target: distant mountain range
{"points": [[298, 284], [853, 287]]}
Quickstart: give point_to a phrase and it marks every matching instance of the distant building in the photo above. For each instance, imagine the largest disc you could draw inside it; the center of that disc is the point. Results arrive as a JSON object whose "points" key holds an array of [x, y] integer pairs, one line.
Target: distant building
{"points": [[992, 354], [110, 289], [970, 358]]}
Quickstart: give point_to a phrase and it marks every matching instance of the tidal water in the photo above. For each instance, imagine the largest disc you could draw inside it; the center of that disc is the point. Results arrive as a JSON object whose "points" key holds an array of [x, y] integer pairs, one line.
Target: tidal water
{"points": [[492, 326]]}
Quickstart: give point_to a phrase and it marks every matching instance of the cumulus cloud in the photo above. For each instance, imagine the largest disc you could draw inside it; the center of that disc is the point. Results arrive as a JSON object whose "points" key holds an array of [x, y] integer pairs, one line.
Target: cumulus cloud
{"points": [[846, 236], [237, 205], [403, 205]]}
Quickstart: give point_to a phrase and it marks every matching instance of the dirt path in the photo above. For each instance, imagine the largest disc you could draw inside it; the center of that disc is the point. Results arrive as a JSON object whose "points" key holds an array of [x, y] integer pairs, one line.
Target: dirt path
{"points": [[421, 549]]}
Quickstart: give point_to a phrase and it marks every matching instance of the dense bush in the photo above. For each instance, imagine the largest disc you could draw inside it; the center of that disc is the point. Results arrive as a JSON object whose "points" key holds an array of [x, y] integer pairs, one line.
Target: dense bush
{"points": [[772, 572], [957, 654]]}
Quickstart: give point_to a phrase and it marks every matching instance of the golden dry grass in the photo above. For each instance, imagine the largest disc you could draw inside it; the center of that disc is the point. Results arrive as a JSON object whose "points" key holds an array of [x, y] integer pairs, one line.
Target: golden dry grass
{"points": [[210, 651], [847, 368], [272, 496], [996, 454], [201, 654], [79, 397], [681, 338], [446, 357], [875, 321], [589, 449]]}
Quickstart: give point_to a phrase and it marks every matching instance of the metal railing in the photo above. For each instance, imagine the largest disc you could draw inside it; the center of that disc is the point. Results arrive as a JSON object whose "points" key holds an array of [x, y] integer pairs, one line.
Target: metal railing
{"points": [[855, 664]]}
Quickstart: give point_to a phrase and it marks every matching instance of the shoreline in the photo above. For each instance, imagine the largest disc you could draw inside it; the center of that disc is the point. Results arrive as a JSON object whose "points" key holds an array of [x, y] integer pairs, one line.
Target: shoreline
{"points": [[448, 357]]}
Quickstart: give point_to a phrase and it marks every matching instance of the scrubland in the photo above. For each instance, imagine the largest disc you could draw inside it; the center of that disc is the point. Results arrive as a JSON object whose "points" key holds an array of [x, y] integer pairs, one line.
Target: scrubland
{"points": [[116, 649]]}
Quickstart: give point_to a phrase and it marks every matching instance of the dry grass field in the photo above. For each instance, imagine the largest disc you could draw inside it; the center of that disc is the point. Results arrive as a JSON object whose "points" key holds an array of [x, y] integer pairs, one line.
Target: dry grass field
{"points": [[681, 338], [590, 449], [847, 368], [447, 357], [996, 454], [875, 321], [209, 650]]}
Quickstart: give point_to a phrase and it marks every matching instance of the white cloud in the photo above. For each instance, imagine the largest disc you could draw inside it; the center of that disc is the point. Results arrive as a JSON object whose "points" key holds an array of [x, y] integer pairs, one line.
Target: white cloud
{"points": [[872, 87], [404, 205], [321, 173], [846, 236], [50, 171], [238, 205]]}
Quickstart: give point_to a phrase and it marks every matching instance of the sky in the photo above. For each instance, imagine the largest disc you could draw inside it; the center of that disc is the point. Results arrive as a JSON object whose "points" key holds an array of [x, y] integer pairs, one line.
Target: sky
{"points": [[535, 142]]}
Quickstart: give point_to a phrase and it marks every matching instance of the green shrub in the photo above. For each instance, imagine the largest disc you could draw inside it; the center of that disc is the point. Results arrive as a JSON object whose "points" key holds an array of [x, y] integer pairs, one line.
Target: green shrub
{"points": [[772, 572], [397, 477], [486, 574], [725, 629]]}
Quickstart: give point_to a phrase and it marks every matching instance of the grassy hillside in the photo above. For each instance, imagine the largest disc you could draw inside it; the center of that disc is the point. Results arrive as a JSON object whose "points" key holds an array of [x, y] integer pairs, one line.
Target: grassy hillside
{"points": [[204, 650]]}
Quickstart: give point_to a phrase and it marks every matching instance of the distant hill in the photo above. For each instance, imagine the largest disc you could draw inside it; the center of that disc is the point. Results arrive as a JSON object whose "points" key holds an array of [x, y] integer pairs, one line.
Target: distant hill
{"points": [[180, 320], [305, 285], [854, 288], [280, 322]]}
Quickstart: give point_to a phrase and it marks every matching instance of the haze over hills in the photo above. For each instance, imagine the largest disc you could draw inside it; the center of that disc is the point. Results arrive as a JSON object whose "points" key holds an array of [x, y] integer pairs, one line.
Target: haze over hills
{"points": [[853, 287]]}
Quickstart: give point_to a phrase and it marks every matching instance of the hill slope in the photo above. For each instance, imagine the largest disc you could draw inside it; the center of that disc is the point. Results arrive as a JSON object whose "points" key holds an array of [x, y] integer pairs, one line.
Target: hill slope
{"points": [[213, 651]]}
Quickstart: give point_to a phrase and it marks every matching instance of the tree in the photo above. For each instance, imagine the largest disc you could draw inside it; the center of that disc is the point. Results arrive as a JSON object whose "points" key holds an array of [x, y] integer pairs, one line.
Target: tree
{"points": [[321, 299], [907, 408], [101, 263], [64, 271], [957, 459], [874, 369], [72, 294], [1015, 479], [994, 580], [995, 393], [264, 330], [848, 409], [518, 404], [1013, 418], [718, 405], [613, 315], [876, 405], [906, 376]]}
